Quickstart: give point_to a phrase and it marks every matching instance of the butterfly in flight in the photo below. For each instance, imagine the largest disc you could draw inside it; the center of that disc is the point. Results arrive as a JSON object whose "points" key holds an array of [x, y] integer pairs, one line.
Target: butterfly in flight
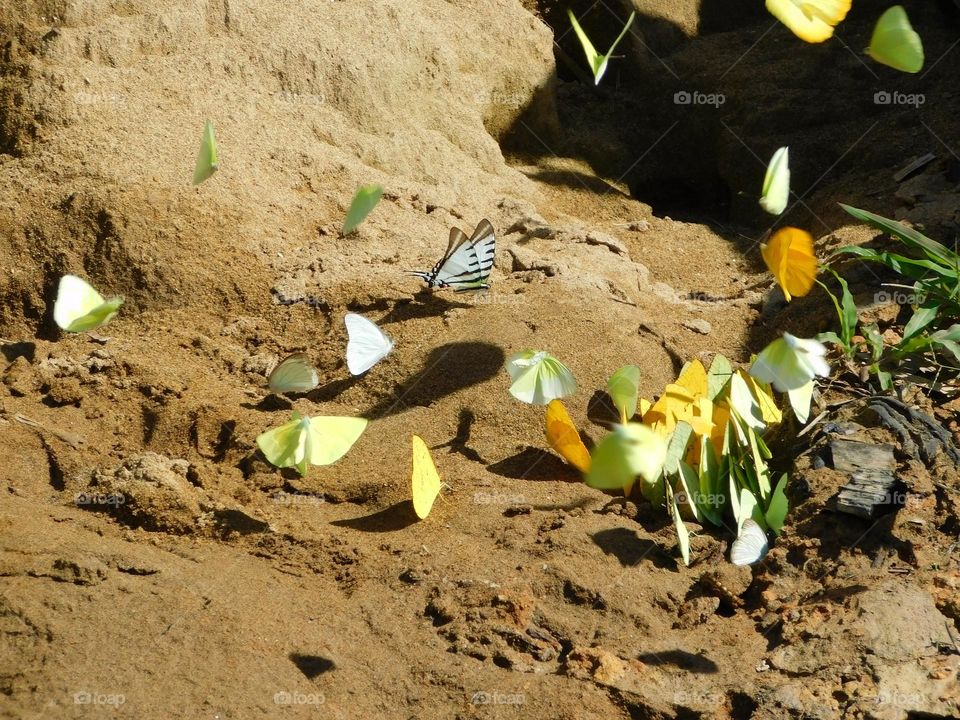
{"points": [[467, 262]]}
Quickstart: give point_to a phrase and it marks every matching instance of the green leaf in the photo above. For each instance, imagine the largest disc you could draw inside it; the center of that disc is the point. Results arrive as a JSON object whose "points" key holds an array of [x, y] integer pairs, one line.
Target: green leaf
{"points": [[777, 509], [921, 318], [677, 448], [689, 479], [623, 387], [364, 201], [683, 535], [933, 249], [718, 376]]}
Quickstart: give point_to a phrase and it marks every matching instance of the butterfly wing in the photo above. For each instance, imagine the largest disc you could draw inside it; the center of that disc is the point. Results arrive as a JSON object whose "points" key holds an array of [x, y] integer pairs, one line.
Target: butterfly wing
{"points": [[331, 437], [79, 307], [207, 159], [776, 183], [790, 258], [810, 20], [895, 43], [563, 437], [294, 374], [750, 546], [367, 344], [285, 446], [425, 480], [468, 261], [363, 203], [554, 380]]}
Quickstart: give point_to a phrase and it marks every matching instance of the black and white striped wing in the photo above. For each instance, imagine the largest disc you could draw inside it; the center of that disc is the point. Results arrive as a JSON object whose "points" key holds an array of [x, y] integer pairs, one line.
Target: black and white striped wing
{"points": [[467, 263]]}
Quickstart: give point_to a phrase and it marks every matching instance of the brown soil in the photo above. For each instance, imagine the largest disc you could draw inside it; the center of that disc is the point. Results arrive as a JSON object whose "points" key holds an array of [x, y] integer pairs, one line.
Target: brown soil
{"points": [[222, 588]]}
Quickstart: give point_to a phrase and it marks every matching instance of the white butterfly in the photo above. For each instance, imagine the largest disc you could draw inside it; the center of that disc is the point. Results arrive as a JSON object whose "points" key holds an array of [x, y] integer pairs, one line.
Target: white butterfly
{"points": [[751, 544], [367, 344], [294, 374], [80, 308], [467, 263]]}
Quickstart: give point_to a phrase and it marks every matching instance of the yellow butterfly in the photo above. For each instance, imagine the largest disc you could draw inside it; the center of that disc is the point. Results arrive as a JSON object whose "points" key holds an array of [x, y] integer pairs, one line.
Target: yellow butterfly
{"points": [[789, 256], [810, 20], [425, 479], [563, 437]]}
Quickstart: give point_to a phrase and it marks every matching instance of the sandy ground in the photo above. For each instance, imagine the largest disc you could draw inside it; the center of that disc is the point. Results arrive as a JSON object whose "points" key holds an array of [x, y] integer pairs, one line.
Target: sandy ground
{"points": [[627, 233]]}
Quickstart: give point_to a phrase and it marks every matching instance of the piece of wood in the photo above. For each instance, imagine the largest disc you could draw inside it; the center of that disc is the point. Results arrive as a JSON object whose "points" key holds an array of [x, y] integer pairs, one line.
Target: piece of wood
{"points": [[852, 455], [869, 493]]}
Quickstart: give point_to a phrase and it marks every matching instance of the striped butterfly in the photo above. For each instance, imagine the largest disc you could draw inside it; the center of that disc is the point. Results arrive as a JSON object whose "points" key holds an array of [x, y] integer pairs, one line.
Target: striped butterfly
{"points": [[467, 262]]}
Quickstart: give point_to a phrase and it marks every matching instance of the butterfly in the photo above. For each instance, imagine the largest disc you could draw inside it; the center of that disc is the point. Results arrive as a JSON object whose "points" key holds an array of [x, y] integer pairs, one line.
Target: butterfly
{"points": [[598, 62], [776, 183], [751, 544], [563, 437], [305, 441], [538, 377], [467, 263], [363, 203], [207, 161], [790, 363], [895, 43], [294, 374], [810, 20], [789, 256], [425, 480], [367, 344], [79, 308]]}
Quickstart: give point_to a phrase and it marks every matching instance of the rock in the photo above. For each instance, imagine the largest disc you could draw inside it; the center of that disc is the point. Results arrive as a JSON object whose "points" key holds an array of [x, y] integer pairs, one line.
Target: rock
{"points": [[698, 325], [594, 663], [149, 491]]}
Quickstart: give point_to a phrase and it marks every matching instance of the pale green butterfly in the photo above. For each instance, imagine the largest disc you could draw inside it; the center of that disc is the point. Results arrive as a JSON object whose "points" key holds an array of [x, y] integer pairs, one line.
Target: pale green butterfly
{"points": [[776, 183], [631, 450], [538, 377], [789, 362], [777, 510], [294, 374], [598, 62], [800, 400], [310, 441], [364, 201], [623, 388], [80, 308], [895, 43], [207, 159]]}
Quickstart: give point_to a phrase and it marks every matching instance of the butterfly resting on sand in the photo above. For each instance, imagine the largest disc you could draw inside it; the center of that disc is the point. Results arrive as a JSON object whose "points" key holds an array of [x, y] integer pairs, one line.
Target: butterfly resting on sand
{"points": [[467, 262]]}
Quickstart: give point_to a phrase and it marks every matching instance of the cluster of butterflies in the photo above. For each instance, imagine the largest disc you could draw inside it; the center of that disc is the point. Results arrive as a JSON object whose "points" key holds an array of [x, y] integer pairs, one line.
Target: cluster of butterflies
{"points": [[320, 440]]}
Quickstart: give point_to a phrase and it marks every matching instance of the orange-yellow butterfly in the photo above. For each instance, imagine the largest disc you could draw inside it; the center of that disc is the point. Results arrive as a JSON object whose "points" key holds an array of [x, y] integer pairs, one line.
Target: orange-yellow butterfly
{"points": [[563, 437], [789, 256], [425, 480]]}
